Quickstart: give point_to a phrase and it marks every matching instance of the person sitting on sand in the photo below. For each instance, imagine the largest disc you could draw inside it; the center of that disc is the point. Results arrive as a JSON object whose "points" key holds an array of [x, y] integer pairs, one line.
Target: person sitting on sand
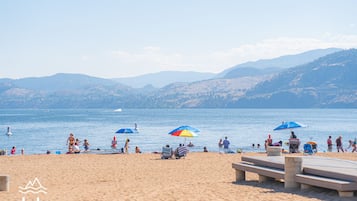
{"points": [[205, 149], [78, 142], [166, 152], [76, 149], [13, 150], [137, 150], [293, 136], [181, 151]]}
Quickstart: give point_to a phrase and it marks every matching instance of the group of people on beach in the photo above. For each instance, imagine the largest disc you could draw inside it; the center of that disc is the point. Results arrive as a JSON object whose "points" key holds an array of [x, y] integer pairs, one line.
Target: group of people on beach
{"points": [[179, 152], [339, 145], [338, 142], [74, 145], [125, 149], [223, 145]]}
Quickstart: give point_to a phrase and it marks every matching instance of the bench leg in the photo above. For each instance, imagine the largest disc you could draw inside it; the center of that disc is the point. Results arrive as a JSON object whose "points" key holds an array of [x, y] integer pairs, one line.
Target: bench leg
{"points": [[240, 175], [345, 193], [263, 179], [4, 183], [305, 186]]}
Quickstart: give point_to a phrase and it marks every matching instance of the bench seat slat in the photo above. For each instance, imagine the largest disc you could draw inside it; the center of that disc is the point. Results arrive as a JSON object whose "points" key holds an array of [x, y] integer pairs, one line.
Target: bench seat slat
{"points": [[265, 171], [335, 184]]}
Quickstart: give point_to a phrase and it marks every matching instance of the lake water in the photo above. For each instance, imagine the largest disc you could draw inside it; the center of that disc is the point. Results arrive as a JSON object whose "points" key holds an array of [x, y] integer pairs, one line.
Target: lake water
{"points": [[40, 130]]}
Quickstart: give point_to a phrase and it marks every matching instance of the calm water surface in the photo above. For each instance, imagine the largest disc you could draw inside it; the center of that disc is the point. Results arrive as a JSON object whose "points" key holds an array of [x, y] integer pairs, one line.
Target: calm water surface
{"points": [[40, 130]]}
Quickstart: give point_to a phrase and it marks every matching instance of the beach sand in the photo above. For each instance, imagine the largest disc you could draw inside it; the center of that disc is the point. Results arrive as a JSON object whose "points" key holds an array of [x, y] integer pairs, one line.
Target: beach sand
{"points": [[200, 176]]}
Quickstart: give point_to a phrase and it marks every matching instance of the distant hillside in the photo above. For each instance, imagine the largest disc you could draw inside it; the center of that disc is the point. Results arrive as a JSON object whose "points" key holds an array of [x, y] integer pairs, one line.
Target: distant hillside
{"points": [[274, 65], [59, 82], [164, 78], [327, 82]]}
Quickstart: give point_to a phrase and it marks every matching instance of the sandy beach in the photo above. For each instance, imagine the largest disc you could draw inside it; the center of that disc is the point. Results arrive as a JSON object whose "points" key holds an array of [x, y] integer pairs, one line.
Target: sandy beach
{"points": [[200, 176]]}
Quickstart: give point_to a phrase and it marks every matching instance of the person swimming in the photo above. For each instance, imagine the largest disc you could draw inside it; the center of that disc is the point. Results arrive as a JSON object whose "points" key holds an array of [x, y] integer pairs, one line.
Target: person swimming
{"points": [[8, 133]]}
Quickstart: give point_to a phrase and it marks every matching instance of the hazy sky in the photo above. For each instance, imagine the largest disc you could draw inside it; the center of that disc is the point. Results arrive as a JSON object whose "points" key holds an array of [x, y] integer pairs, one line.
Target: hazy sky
{"points": [[117, 38]]}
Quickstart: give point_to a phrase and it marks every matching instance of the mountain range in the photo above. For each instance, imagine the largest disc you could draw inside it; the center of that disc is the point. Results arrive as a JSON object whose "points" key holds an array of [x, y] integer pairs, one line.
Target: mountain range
{"points": [[314, 79]]}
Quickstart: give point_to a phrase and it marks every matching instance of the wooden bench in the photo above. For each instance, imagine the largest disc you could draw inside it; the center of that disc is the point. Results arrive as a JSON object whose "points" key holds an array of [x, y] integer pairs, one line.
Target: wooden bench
{"points": [[264, 173], [345, 188]]}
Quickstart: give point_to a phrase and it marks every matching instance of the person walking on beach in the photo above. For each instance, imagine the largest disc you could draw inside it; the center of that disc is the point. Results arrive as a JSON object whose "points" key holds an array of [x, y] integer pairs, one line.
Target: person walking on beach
{"points": [[339, 144], [329, 144], [226, 145], [126, 146]]}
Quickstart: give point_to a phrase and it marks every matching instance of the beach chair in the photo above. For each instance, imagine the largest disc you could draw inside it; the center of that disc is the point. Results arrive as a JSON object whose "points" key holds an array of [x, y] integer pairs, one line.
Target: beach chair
{"points": [[313, 146], [166, 152], [294, 144], [181, 151], [308, 149]]}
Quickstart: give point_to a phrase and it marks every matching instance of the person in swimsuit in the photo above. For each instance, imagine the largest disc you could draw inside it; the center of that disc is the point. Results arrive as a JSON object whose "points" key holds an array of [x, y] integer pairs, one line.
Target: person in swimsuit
{"points": [[126, 146], [70, 141], [114, 142]]}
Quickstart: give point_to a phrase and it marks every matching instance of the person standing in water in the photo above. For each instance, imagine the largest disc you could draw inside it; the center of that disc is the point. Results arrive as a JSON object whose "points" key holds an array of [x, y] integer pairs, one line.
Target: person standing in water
{"points": [[339, 144], [114, 142], [126, 146], [220, 145], [329, 144]]}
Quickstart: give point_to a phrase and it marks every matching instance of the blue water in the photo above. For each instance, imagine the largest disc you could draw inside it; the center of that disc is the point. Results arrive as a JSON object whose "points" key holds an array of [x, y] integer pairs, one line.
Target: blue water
{"points": [[40, 130]]}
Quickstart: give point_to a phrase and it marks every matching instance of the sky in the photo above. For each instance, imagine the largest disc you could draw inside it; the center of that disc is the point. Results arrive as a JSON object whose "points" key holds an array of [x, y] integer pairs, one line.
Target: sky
{"points": [[117, 38]]}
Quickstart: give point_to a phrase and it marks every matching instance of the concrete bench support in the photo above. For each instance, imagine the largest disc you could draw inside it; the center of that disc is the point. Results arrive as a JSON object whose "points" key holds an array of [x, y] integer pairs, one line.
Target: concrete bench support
{"points": [[346, 193], [240, 175], [4, 183], [263, 178], [264, 173], [293, 166], [274, 151]]}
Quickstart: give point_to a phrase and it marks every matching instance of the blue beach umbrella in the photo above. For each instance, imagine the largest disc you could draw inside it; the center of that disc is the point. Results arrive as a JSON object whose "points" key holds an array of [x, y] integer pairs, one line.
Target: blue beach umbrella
{"points": [[126, 130], [289, 125]]}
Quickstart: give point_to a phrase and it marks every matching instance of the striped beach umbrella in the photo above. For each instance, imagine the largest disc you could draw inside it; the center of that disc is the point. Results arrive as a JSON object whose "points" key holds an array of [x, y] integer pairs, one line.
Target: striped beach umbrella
{"points": [[185, 131]]}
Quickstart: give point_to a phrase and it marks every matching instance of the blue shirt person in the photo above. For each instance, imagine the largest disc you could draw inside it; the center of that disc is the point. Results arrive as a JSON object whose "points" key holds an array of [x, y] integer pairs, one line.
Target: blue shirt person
{"points": [[226, 144]]}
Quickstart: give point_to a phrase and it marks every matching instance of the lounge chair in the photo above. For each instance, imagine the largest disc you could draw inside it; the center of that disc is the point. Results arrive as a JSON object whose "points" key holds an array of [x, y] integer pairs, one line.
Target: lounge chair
{"points": [[166, 152], [294, 144]]}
